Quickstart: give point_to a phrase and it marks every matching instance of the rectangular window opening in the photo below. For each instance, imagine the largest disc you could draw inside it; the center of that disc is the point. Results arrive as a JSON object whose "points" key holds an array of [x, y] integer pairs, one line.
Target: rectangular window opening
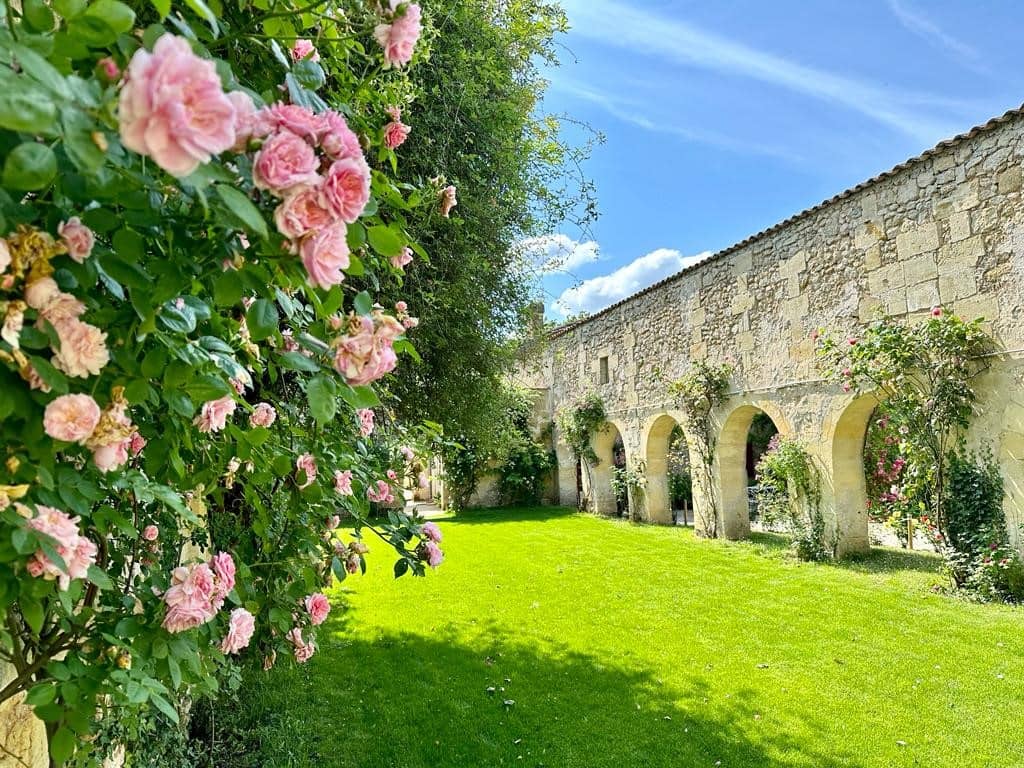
{"points": [[604, 371]]}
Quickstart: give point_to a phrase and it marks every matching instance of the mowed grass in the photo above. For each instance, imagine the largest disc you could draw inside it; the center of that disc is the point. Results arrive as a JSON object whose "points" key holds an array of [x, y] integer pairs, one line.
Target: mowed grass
{"points": [[624, 645]]}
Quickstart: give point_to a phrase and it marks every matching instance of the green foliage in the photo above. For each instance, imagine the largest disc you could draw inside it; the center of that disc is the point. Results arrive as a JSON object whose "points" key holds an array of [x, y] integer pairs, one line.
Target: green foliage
{"points": [[630, 487], [579, 423], [789, 491]]}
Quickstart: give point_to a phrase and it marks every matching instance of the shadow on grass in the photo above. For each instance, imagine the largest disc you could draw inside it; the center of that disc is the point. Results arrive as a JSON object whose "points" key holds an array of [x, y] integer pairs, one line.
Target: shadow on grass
{"points": [[407, 701], [510, 515], [876, 560]]}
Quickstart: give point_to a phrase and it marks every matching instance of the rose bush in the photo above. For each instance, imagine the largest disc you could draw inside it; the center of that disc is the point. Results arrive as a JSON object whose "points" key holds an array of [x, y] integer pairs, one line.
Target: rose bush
{"points": [[187, 268]]}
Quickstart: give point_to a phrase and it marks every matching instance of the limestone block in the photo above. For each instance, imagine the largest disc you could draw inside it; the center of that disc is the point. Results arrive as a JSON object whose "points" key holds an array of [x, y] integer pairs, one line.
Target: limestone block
{"points": [[794, 265], [957, 284], [795, 309], [745, 341], [742, 263], [924, 237], [21, 732], [943, 162], [964, 199], [895, 302], [919, 269], [886, 279], [698, 316], [980, 305], [873, 257], [959, 227], [962, 254], [741, 304], [869, 309], [923, 296], [867, 235], [698, 351], [868, 205], [1009, 180]]}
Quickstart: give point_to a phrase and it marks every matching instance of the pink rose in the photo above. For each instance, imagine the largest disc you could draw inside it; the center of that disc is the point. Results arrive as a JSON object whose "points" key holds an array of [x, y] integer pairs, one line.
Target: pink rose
{"points": [[263, 415], [302, 211], [343, 482], [288, 117], [346, 189], [423, 480], [136, 443], [402, 259], [401, 307], [365, 352], [303, 650], [336, 138], [190, 598], [325, 254], [448, 200], [172, 107], [109, 68], [304, 49], [223, 567], [245, 116], [77, 237], [5, 256], [150, 533], [936, 311], [83, 348], [306, 465], [333, 522], [317, 606], [111, 456], [365, 416], [395, 134], [398, 39], [407, 452], [284, 162], [77, 552], [71, 418], [434, 555], [432, 532], [41, 292], [241, 626], [53, 305], [380, 493], [213, 416]]}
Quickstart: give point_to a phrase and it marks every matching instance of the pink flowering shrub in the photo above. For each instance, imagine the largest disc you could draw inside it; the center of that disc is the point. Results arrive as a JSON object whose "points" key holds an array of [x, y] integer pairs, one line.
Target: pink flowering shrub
{"points": [[180, 367]]}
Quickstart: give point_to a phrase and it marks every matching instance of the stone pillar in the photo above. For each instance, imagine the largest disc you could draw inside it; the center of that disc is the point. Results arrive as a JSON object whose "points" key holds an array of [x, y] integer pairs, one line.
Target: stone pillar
{"points": [[844, 492], [21, 732], [566, 476]]}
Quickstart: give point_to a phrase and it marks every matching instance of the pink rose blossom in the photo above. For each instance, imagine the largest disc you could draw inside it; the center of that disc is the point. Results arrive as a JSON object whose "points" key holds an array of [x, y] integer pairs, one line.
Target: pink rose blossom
{"points": [[401, 307], [302, 211], [365, 352], [365, 416], [5, 256], [380, 493], [269, 660], [288, 117], [172, 107], [77, 552], [333, 522], [190, 597], [136, 443], [77, 237], [83, 349], [306, 466], [303, 650], [263, 415], [245, 116], [410, 322], [395, 134], [936, 311], [223, 567], [346, 188], [150, 533], [241, 626], [53, 305], [109, 68], [432, 531], [213, 416], [336, 138], [391, 475], [423, 480], [852, 341], [111, 456], [448, 200], [284, 162], [71, 418], [35, 381], [343, 482], [398, 39], [434, 554], [317, 606], [402, 259], [325, 254], [304, 49], [407, 452]]}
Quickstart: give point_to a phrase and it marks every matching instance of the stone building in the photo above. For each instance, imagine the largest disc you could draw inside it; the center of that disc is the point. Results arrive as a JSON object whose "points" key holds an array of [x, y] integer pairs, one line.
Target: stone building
{"points": [[946, 228]]}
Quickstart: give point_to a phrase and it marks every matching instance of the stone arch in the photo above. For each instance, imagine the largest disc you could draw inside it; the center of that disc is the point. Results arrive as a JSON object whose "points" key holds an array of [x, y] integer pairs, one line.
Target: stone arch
{"points": [[849, 490], [601, 493], [658, 500], [731, 461]]}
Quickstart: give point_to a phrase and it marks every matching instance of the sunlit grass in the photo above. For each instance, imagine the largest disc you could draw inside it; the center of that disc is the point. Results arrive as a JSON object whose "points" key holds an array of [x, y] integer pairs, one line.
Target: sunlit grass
{"points": [[640, 646]]}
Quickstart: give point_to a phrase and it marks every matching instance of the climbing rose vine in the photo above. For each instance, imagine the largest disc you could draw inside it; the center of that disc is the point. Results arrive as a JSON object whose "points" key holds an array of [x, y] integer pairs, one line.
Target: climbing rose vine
{"points": [[193, 219]]}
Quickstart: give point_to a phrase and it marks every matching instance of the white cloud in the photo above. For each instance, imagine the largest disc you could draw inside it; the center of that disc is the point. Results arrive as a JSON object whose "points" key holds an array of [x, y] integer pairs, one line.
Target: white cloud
{"points": [[557, 253], [919, 24], [599, 292], [674, 40]]}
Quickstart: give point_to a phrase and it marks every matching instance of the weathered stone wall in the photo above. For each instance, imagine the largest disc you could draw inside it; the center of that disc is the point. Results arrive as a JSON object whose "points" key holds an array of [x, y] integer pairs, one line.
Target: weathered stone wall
{"points": [[945, 228], [22, 734]]}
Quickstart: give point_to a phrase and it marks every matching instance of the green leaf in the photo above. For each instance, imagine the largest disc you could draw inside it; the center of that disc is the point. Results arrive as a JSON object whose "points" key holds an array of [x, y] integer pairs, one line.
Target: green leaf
{"points": [[55, 379], [363, 303], [339, 570], [309, 74], [41, 694], [98, 577], [32, 610], [163, 7], [69, 8], [37, 15], [242, 208], [42, 71], [78, 141], [227, 289], [262, 319], [203, 11], [297, 361], [178, 319], [321, 392], [62, 745], [401, 567], [360, 397], [116, 15], [385, 241], [26, 109], [129, 245], [29, 167]]}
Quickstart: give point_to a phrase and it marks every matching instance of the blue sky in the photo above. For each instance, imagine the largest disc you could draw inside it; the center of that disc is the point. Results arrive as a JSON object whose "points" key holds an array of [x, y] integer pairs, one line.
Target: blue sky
{"points": [[723, 118]]}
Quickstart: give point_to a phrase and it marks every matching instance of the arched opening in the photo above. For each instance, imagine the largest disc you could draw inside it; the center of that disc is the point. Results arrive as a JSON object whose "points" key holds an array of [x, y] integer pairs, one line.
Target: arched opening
{"points": [[669, 495], [760, 437], [849, 486], [611, 455], [746, 435]]}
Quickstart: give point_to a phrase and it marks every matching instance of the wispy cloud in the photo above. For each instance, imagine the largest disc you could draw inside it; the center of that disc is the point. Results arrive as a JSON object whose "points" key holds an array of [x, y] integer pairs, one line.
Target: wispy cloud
{"points": [[630, 112], [557, 253], [599, 292], [677, 41], [919, 24]]}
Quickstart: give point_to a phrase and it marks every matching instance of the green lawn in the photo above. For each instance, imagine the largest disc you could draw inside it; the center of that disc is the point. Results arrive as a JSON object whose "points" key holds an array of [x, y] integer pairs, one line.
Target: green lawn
{"points": [[630, 646]]}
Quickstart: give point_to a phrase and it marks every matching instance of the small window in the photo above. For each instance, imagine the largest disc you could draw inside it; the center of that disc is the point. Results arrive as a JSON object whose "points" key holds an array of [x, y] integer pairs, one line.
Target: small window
{"points": [[603, 376]]}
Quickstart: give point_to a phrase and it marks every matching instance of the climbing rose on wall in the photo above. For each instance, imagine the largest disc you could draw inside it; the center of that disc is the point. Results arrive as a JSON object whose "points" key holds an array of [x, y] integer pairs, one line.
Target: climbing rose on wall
{"points": [[398, 39]]}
